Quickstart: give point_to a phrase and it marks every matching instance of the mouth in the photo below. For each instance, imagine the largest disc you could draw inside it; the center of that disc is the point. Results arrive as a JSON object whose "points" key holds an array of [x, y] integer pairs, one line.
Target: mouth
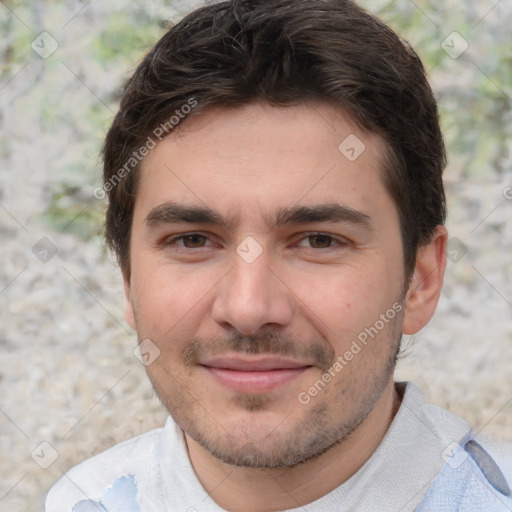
{"points": [[254, 375]]}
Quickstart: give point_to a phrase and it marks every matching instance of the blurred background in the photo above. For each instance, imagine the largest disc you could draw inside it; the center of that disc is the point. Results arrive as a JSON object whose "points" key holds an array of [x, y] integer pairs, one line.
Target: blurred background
{"points": [[70, 385]]}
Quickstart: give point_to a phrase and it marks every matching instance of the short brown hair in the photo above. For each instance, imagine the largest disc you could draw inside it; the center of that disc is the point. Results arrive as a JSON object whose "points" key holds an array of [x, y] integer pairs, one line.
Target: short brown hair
{"points": [[286, 52]]}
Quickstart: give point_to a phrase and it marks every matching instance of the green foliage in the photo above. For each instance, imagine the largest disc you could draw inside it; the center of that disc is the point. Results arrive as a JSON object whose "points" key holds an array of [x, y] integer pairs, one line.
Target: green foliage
{"points": [[124, 40], [71, 214]]}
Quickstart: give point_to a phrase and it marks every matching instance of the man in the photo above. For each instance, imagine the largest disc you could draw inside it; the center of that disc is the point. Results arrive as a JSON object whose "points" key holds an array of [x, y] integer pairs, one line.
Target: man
{"points": [[276, 204]]}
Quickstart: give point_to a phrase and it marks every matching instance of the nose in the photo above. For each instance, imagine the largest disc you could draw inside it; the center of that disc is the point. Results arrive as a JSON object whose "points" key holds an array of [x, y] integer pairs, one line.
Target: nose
{"points": [[252, 297]]}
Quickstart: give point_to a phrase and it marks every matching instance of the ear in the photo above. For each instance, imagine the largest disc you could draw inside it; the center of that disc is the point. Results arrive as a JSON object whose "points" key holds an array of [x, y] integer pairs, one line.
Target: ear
{"points": [[128, 307], [425, 286]]}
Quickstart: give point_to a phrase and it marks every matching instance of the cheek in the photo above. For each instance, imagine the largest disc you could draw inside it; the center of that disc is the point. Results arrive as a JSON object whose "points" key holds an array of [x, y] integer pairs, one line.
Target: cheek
{"points": [[169, 298], [345, 299], [348, 309]]}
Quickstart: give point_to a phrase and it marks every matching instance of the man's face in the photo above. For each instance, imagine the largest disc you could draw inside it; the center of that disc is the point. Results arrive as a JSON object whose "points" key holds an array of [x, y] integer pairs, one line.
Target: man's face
{"points": [[260, 251]]}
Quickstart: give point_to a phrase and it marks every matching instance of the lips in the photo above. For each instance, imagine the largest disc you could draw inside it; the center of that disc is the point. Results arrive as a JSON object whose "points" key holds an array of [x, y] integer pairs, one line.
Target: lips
{"points": [[253, 375]]}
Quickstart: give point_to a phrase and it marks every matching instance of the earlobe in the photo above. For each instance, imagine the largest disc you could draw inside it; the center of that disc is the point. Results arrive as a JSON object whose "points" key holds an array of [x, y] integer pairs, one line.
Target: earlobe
{"points": [[128, 307], [425, 286]]}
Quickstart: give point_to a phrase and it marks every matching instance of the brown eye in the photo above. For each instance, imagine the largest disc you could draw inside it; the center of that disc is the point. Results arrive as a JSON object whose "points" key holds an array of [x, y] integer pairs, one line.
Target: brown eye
{"points": [[320, 241], [194, 241]]}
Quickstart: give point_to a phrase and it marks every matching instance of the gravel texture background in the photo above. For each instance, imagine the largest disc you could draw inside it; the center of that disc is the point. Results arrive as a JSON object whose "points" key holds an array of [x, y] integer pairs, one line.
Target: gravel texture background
{"points": [[68, 376]]}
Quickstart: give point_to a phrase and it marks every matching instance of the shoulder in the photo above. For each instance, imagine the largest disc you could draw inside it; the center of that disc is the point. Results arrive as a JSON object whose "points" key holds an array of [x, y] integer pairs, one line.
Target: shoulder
{"points": [[463, 470], [471, 480], [123, 463]]}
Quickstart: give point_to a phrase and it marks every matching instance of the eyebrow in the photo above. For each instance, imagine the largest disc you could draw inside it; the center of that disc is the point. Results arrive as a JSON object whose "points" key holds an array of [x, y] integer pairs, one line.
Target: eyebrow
{"points": [[172, 212], [330, 212]]}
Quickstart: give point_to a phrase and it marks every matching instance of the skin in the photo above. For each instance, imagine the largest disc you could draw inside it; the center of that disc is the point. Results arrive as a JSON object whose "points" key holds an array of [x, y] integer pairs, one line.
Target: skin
{"points": [[304, 298]]}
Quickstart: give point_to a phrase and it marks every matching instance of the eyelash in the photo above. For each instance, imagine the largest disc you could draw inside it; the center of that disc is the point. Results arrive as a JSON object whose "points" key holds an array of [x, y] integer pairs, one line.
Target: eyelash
{"points": [[335, 242]]}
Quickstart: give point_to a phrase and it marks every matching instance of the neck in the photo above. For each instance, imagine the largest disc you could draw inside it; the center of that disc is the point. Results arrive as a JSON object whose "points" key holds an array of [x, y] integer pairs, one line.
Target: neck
{"points": [[263, 490]]}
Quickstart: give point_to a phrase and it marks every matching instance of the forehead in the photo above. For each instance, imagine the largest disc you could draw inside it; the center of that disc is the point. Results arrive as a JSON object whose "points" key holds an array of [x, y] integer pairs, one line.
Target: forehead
{"points": [[234, 159]]}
